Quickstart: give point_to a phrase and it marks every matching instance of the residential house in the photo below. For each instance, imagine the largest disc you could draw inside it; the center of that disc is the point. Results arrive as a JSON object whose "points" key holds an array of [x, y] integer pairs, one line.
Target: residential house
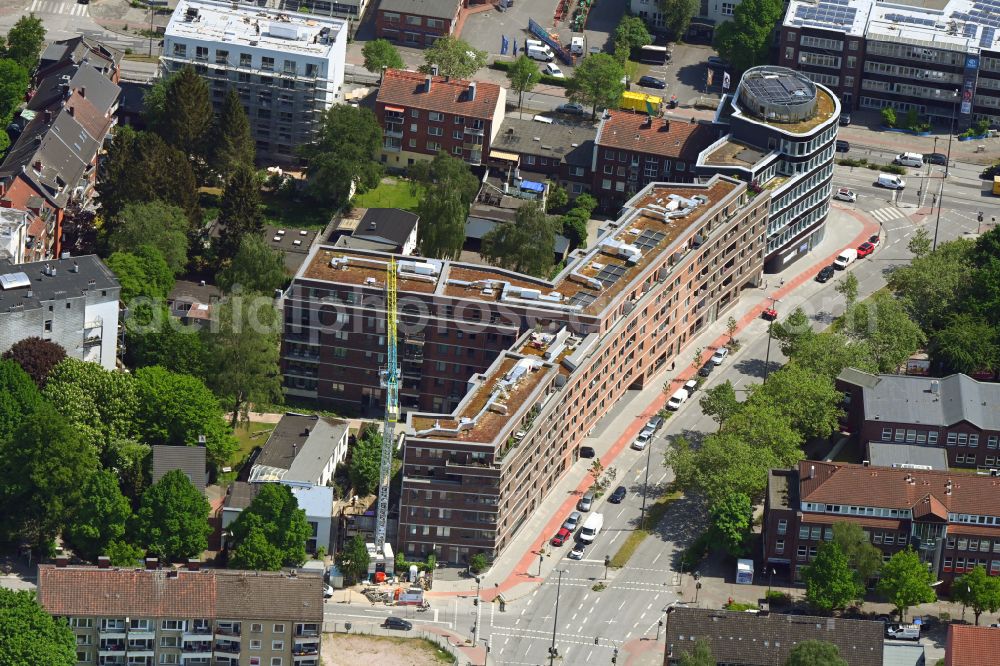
{"points": [[294, 244], [192, 302], [70, 52], [386, 229], [316, 501], [188, 459], [968, 645], [422, 115], [416, 23], [14, 237], [186, 616], [562, 150], [302, 448]]}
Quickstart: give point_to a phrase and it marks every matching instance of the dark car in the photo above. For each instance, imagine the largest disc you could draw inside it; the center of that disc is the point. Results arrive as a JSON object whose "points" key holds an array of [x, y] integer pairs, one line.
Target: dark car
{"points": [[717, 62], [825, 273], [652, 82], [587, 452], [874, 240], [617, 496], [706, 369], [936, 158], [845, 119], [397, 623], [843, 146]]}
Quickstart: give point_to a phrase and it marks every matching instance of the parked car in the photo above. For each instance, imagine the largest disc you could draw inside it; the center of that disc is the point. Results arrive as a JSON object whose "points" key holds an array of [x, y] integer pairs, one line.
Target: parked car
{"points": [[587, 452], [677, 399], [706, 369], [642, 439], [720, 355], [845, 119], [936, 158], [577, 552], [846, 194], [874, 240], [717, 62], [397, 623], [586, 502], [561, 537], [571, 108], [825, 273], [843, 146], [652, 82], [691, 386], [618, 495], [327, 592], [890, 181], [770, 314], [909, 632], [865, 249], [552, 69], [572, 521], [653, 424]]}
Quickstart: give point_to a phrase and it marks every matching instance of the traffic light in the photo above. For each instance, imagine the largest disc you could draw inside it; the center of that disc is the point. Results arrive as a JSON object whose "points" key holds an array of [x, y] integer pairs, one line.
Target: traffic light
{"points": [[597, 640], [475, 601]]}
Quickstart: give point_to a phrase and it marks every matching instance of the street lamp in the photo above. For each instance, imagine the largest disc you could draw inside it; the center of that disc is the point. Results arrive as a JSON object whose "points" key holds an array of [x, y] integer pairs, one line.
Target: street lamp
{"points": [[555, 620], [770, 577], [770, 327], [697, 586], [541, 556], [947, 166]]}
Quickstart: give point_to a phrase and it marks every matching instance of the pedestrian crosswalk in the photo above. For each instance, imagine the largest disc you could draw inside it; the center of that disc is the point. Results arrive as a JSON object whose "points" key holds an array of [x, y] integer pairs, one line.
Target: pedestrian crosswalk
{"points": [[57, 7], [887, 214]]}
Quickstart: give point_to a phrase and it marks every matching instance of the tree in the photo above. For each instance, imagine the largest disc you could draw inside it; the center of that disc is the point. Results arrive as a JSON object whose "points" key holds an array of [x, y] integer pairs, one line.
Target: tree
{"points": [[233, 146], [557, 199], [906, 581], [585, 202], [19, 397], [36, 357], [449, 188], [574, 227], [25, 41], [746, 40], [967, 344], [889, 116], [44, 466], [524, 245], [732, 518], [677, 15], [731, 327], [366, 462], [124, 554], [453, 57], [935, 286], [862, 556], [169, 343], [257, 267], [788, 332], [831, 352], [30, 635], [152, 223], [830, 582], [154, 102], [100, 518], [271, 532], [172, 520], [380, 55], [243, 354], [14, 81], [523, 75], [810, 402], [815, 653], [478, 563], [700, 656], [144, 274], [920, 245], [977, 589], [188, 113], [353, 559], [696, 358], [882, 324], [597, 82], [848, 288], [240, 214], [343, 154], [720, 402], [176, 409], [631, 33]]}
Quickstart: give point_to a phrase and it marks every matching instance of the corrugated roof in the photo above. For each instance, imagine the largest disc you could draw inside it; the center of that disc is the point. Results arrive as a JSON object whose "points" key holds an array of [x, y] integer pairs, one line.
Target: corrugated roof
{"points": [[408, 89]]}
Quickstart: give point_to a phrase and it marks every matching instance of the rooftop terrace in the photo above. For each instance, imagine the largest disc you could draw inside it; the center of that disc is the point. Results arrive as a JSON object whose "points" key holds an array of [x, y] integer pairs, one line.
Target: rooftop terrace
{"points": [[729, 152], [783, 98]]}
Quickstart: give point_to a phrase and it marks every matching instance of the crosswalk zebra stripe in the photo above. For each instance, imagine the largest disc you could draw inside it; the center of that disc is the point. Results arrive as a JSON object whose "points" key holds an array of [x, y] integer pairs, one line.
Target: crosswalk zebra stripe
{"points": [[887, 214]]}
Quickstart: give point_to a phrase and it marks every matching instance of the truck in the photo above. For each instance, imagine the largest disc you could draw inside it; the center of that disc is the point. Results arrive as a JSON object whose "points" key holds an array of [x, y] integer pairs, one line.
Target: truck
{"points": [[996, 185], [591, 527], [576, 45], [909, 632], [636, 101]]}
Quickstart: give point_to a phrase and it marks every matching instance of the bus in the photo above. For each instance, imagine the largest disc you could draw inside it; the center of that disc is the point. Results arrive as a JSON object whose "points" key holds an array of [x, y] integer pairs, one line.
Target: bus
{"points": [[653, 55]]}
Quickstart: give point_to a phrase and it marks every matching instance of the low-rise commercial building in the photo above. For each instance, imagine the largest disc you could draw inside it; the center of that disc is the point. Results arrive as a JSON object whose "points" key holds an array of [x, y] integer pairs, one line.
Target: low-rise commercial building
{"points": [[503, 374], [169, 616], [416, 23]]}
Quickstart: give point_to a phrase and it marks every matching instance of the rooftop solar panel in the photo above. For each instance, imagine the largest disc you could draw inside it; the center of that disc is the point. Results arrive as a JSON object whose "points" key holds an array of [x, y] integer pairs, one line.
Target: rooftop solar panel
{"points": [[986, 41], [582, 299], [970, 29]]}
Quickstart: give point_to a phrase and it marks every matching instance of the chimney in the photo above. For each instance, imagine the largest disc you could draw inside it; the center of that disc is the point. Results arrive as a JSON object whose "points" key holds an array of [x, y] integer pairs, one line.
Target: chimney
{"points": [[69, 110], [434, 70], [152, 563], [76, 267], [427, 83], [935, 387], [62, 561], [193, 564], [83, 91], [103, 562], [666, 124], [866, 463], [472, 90], [812, 472]]}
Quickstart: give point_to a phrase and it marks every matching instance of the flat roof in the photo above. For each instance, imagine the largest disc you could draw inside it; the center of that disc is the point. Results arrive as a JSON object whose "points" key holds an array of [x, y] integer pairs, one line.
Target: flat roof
{"points": [[891, 454], [781, 87], [432, 8], [730, 152], [42, 281], [242, 25]]}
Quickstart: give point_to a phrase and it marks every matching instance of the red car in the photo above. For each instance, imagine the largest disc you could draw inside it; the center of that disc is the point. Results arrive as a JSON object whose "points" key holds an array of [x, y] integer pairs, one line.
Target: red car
{"points": [[561, 537], [769, 314], [865, 249]]}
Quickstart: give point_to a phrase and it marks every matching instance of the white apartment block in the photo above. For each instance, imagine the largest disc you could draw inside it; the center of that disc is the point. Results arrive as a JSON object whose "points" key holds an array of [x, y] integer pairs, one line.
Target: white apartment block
{"points": [[287, 67], [13, 235]]}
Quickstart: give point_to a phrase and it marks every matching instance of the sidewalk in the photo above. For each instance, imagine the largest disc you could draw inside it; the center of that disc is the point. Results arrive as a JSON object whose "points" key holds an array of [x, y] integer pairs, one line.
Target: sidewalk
{"points": [[514, 572]]}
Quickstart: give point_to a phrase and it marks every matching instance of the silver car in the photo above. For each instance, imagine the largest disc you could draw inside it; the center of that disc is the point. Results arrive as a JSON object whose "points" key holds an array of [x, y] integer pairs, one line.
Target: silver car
{"points": [[572, 521]]}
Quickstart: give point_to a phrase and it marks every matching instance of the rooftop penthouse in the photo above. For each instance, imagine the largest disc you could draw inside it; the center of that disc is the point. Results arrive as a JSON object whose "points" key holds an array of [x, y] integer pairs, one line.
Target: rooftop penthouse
{"points": [[784, 99]]}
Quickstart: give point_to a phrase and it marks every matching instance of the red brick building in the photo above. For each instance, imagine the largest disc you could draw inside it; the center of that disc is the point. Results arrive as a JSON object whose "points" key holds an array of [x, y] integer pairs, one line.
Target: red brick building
{"points": [[423, 115], [633, 150], [416, 23], [971, 646], [952, 520]]}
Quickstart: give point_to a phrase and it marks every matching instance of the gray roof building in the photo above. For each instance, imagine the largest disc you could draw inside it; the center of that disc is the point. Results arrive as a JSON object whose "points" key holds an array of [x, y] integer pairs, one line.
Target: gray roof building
{"points": [[896, 654], [302, 448], [433, 8], [293, 243], [761, 639], [885, 454], [384, 229], [563, 140], [188, 459], [77, 49]]}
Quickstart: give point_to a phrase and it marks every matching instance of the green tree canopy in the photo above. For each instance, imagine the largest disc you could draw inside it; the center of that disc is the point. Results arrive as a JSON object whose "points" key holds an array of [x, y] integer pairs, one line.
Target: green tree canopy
{"points": [[154, 102], [810, 402], [172, 520], [453, 57], [966, 344], [815, 653], [862, 556], [449, 188], [848, 288], [631, 33], [152, 223], [366, 461], [932, 287], [574, 227], [380, 54], [829, 352], [272, 531], [720, 402], [745, 41], [19, 397], [240, 213], [906, 581], [29, 635], [596, 82], [100, 518], [701, 655], [36, 357], [883, 325], [257, 267], [978, 590], [25, 41], [353, 559], [169, 343], [523, 75], [142, 274], [188, 114], [795, 327], [344, 153], [920, 244], [233, 145], [44, 466], [732, 519], [14, 81], [677, 15], [830, 582], [557, 199], [526, 245]]}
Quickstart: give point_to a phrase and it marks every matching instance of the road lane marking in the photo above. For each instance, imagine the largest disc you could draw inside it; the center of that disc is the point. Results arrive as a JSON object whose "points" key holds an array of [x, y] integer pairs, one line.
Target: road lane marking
{"points": [[623, 604]]}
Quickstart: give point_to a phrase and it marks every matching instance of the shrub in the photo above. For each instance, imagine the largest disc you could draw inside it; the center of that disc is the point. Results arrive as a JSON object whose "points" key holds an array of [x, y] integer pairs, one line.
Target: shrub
{"points": [[851, 162], [478, 563], [778, 598], [738, 606], [889, 116]]}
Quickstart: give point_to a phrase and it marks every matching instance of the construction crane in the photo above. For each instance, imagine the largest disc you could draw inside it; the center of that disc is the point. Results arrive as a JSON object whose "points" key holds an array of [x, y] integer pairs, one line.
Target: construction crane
{"points": [[390, 382]]}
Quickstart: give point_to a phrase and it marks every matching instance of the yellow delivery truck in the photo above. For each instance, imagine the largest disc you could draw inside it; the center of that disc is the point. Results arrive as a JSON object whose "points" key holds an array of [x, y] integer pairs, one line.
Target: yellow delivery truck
{"points": [[636, 101]]}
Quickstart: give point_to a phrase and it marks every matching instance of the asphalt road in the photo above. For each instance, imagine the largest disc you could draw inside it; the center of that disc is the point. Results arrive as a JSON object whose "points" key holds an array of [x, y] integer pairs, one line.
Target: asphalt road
{"points": [[64, 19]]}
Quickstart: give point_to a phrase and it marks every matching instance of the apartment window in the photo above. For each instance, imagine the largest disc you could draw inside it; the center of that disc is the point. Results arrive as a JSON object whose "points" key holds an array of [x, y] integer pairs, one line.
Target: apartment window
{"points": [[801, 553], [414, 20], [952, 439], [277, 646], [852, 45], [172, 625], [963, 439], [88, 622], [973, 441], [289, 67], [963, 544], [221, 57], [886, 434], [803, 532], [890, 539], [412, 143], [727, 8], [877, 538], [932, 437], [246, 60], [267, 63], [201, 53], [48, 325], [180, 50], [991, 442], [82, 656], [170, 641], [789, 53], [275, 661], [900, 434], [947, 564], [435, 23], [278, 629], [779, 546], [433, 145], [791, 36], [255, 644], [414, 113], [911, 436], [390, 17], [456, 150], [815, 533], [457, 135], [606, 184], [436, 117], [256, 628], [459, 120], [782, 526], [435, 131]]}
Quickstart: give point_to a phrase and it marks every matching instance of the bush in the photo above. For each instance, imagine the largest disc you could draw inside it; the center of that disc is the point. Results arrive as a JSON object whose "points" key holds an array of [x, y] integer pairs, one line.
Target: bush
{"points": [[889, 116], [738, 606], [778, 598], [980, 128], [695, 553], [851, 162], [478, 563], [598, 587]]}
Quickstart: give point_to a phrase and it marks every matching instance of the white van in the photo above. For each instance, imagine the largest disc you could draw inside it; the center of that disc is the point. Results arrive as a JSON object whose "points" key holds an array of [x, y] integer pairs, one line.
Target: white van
{"points": [[576, 45], [910, 632], [890, 181], [677, 399], [538, 51], [909, 159], [591, 527], [846, 258]]}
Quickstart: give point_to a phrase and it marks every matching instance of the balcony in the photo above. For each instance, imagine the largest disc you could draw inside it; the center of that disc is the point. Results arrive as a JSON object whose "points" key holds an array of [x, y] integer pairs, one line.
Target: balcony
{"points": [[197, 633], [476, 131], [305, 660], [141, 633], [111, 649], [229, 648], [227, 633], [304, 634], [112, 631], [391, 145], [394, 133]]}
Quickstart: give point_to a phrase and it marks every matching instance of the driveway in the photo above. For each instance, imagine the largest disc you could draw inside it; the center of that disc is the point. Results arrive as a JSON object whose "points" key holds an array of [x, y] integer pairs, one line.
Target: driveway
{"points": [[483, 29]]}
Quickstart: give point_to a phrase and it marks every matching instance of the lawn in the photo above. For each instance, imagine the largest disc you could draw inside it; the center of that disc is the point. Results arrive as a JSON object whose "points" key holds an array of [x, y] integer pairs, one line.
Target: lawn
{"points": [[654, 513], [296, 212], [248, 436], [391, 193]]}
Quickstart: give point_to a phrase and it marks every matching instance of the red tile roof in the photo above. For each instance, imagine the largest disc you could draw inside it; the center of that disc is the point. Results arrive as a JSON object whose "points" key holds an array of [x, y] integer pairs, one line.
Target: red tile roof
{"points": [[407, 89], [671, 137], [837, 483], [972, 646]]}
